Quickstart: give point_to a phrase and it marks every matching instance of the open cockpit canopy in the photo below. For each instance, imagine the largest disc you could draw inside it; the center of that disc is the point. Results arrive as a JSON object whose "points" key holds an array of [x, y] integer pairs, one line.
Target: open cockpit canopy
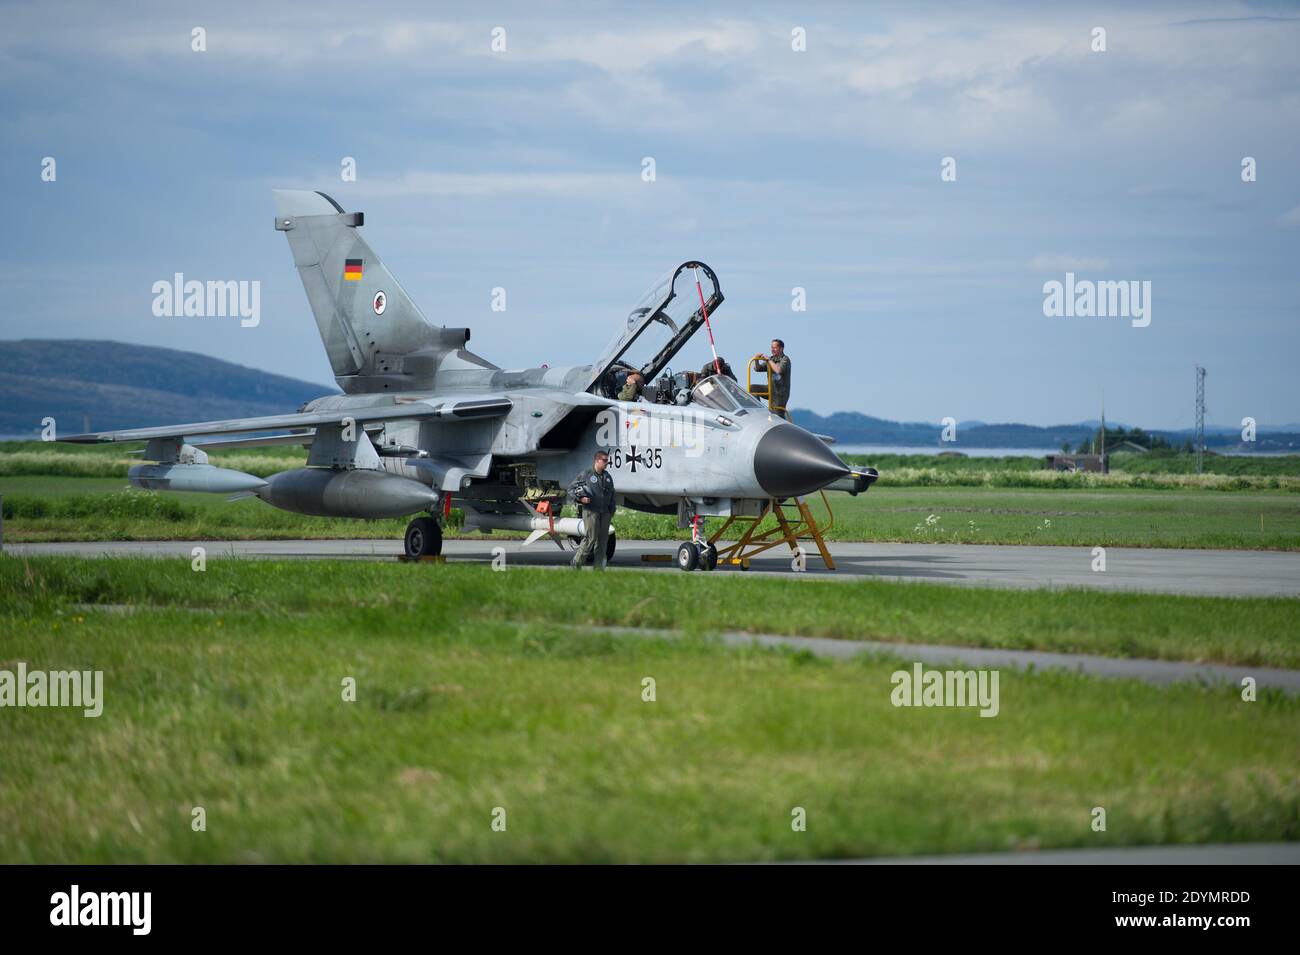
{"points": [[662, 322]]}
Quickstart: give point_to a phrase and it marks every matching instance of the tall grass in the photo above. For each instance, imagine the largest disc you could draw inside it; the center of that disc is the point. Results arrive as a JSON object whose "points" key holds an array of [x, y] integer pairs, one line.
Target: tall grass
{"points": [[994, 477], [65, 464]]}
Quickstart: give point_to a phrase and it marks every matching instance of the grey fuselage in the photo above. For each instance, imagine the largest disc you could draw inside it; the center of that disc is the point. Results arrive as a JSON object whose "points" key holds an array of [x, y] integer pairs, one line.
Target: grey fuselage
{"points": [[660, 453]]}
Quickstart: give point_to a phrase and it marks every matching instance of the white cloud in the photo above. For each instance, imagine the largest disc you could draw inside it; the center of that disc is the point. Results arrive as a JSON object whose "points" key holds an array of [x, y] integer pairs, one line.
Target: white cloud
{"points": [[1066, 263], [962, 81], [638, 48], [460, 184]]}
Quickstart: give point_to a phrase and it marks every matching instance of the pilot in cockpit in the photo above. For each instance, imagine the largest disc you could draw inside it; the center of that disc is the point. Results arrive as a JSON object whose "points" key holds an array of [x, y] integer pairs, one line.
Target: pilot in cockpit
{"points": [[632, 387]]}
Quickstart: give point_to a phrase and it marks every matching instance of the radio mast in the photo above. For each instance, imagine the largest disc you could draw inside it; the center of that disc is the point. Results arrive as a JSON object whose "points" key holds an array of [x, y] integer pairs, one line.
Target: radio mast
{"points": [[1200, 419]]}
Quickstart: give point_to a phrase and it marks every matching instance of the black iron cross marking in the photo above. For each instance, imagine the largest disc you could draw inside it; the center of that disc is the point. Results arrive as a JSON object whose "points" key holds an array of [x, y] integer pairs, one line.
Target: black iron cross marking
{"points": [[635, 458]]}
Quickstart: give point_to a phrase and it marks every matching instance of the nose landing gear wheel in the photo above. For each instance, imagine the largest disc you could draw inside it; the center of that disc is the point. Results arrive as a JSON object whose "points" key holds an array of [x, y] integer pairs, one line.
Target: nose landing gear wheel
{"points": [[708, 557], [688, 558], [423, 538]]}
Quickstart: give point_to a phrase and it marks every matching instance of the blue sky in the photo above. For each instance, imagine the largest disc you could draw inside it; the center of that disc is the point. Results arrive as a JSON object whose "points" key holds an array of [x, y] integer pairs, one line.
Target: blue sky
{"points": [[820, 169]]}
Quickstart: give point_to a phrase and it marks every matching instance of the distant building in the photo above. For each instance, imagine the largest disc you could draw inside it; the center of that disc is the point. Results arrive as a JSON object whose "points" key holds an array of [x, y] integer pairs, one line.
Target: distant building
{"points": [[1078, 462]]}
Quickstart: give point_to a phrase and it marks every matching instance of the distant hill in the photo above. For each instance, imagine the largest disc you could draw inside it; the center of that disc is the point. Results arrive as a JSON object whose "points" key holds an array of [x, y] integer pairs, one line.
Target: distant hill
{"points": [[128, 386], [852, 427]]}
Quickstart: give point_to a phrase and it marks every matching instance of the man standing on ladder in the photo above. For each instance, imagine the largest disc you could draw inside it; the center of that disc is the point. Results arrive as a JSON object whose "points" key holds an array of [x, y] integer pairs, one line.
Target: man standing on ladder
{"points": [[777, 366]]}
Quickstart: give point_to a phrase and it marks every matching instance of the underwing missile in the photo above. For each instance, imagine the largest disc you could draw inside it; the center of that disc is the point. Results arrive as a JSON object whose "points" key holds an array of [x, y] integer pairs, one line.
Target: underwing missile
{"points": [[566, 526]]}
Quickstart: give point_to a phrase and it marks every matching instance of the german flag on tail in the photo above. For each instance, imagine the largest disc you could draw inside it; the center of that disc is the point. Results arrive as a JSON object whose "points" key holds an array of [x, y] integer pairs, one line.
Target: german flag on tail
{"points": [[352, 270]]}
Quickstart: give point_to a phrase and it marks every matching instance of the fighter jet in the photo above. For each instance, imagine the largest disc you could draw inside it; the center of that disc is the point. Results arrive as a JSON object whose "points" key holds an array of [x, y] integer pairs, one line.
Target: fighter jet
{"points": [[422, 420]]}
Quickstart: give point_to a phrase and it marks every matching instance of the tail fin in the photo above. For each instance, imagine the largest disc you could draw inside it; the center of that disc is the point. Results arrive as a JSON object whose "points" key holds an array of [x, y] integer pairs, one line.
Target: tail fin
{"points": [[366, 320]]}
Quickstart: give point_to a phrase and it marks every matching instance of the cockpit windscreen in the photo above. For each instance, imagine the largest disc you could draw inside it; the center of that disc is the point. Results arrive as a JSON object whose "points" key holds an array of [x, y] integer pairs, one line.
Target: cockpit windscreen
{"points": [[720, 392]]}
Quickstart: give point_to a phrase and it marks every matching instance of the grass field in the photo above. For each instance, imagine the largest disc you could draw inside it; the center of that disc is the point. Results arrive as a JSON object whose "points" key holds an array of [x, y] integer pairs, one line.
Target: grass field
{"points": [[475, 690], [1262, 631], [69, 508], [1154, 463]]}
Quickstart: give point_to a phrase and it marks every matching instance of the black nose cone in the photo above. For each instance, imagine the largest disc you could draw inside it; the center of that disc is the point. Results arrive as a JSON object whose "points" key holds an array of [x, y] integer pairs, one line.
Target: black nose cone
{"points": [[789, 461]]}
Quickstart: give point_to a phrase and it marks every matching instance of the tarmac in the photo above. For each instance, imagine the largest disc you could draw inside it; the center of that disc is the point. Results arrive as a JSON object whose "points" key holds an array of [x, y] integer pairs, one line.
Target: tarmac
{"points": [[1228, 573]]}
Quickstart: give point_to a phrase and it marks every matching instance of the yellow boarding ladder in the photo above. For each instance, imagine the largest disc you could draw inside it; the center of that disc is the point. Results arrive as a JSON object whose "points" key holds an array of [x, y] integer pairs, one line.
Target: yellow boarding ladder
{"points": [[788, 529], [764, 388]]}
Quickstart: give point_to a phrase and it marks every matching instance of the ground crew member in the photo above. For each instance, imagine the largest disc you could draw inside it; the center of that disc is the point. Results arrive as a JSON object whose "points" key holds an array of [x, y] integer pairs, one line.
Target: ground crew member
{"points": [[593, 489], [777, 366], [719, 368], [632, 387]]}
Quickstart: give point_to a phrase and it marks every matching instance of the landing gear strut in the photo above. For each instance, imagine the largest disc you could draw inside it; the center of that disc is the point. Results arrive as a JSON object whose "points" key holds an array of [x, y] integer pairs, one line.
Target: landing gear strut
{"points": [[423, 538]]}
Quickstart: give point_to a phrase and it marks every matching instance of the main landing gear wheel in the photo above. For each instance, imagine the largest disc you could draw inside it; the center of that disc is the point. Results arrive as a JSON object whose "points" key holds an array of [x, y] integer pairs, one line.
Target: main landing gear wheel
{"points": [[688, 558], [708, 557], [423, 538]]}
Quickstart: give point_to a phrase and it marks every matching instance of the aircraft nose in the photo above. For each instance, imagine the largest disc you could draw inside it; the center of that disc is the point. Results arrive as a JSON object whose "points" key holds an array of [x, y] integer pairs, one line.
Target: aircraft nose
{"points": [[789, 461]]}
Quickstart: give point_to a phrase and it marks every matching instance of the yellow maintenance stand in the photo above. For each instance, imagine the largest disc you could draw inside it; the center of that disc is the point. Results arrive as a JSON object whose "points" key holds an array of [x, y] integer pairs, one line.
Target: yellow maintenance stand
{"points": [[790, 529]]}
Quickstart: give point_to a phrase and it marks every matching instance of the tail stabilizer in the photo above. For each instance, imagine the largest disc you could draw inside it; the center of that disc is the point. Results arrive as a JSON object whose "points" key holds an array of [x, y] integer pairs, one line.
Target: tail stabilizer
{"points": [[372, 331]]}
